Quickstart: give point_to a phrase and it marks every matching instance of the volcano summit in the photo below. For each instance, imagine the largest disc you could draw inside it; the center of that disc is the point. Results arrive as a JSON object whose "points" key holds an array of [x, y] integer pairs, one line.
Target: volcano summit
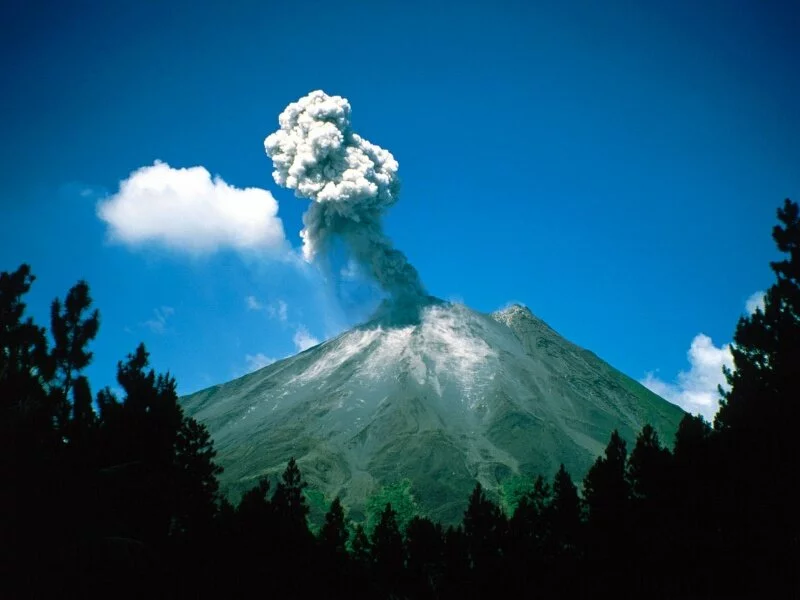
{"points": [[426, 392], [442, 397]]}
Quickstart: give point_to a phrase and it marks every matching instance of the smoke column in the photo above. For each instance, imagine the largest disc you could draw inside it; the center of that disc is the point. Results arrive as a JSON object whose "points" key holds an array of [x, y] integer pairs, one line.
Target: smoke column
{"points": [[350, 182]]}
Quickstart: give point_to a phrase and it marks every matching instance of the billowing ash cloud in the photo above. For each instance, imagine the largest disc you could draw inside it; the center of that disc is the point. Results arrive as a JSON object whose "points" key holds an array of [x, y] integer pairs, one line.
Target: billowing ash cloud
{"points": [[350, 182]]}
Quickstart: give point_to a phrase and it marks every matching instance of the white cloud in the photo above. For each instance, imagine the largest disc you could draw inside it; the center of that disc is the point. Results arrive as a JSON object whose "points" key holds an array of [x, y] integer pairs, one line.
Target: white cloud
{"points": [[188, 210], [695, 390], [755, 301], [278, 310], [158, 324], [257, 361], [303, 340], [253, 303]]}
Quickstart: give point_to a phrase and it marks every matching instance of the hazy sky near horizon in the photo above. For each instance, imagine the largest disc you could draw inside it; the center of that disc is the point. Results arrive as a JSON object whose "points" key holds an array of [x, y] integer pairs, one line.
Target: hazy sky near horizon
{"points": [[614, 166]]}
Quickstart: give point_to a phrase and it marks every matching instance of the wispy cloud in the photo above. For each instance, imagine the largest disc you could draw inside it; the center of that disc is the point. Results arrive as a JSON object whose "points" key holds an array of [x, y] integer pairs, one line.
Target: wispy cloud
{"points": [[158, 324], [189, 211], [351, 271], [303, 340], [278, 310], [253, 303], [257, 361], [696, 389]]}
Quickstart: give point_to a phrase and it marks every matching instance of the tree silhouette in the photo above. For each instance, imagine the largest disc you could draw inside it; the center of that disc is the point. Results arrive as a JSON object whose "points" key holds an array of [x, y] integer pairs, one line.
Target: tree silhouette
{"points": [[766, 349], [605, 488], [196, 486], [361, 549], [757, 423], [529, 526], [156, 466], [387, 551], [606, 496], [81, 427], [289, 503], [484, 534], [254, 508], [652, 530], [648, 467], [72, 329], [457, 578], [333, 534], [29, 440], [25, 372], [565, 512], [425, 554]]}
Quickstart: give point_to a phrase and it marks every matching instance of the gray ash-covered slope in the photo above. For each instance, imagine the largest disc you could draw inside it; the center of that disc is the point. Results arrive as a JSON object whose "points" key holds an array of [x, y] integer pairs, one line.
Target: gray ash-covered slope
{"points": [[446, 399]]}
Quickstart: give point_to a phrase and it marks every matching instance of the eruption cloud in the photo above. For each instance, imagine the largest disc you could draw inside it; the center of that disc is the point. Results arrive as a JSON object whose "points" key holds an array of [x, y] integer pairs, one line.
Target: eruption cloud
{"points": [[351, 183]]}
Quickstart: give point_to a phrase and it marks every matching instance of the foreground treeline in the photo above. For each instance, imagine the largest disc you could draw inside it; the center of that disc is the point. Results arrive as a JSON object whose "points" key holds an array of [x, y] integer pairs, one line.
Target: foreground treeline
{"points": [[119, 495]]}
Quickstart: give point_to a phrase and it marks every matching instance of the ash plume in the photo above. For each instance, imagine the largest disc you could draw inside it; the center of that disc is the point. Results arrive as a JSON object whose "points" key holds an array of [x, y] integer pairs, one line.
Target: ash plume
{"points": [[351, 183]]}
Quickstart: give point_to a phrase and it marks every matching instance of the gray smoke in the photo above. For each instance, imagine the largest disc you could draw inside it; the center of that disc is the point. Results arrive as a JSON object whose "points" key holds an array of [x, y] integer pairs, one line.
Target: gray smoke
{"points": [[350, 182]]}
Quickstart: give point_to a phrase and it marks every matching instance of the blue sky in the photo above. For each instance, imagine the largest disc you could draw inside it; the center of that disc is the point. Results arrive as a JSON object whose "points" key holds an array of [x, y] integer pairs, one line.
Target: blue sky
{"points": [[614, 166]]}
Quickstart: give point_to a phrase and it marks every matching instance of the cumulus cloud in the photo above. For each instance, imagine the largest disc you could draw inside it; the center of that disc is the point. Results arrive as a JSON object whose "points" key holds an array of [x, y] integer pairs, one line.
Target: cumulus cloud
{"points": [[351, 183], [756, 301], [303, 340], [695, 390], [257, 361], [187, 209]]}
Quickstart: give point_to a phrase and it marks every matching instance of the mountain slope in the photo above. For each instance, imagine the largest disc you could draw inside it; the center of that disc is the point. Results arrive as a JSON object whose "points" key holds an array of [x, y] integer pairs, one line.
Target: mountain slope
{"points": [[445, 398]]}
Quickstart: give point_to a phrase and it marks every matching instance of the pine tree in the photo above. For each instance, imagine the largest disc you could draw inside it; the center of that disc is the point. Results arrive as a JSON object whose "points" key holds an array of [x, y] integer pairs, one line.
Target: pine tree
{"points": [[138, 443], [388, 554], [564, 512], [652, 531], [30, 444], [72, 330], [361, 548], [757, 423], [333, 534], [457, 580], [289, 502], [425, 553], [527, 538], [766, 351], [84, 420], [605, 487], [25, 372], [648, 467], [197, 496], [484, 532], [606, 496], [529, 526], [691, 439], [254, 519]]}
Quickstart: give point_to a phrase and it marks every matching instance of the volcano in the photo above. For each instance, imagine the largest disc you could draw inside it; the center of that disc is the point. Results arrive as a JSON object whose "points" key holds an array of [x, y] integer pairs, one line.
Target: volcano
{"points": [[438, 396]]}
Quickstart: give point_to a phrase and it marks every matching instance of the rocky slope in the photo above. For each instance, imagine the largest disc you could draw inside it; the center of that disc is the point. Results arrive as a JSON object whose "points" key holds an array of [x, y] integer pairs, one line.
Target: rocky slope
{"points": [[441, 398]]}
